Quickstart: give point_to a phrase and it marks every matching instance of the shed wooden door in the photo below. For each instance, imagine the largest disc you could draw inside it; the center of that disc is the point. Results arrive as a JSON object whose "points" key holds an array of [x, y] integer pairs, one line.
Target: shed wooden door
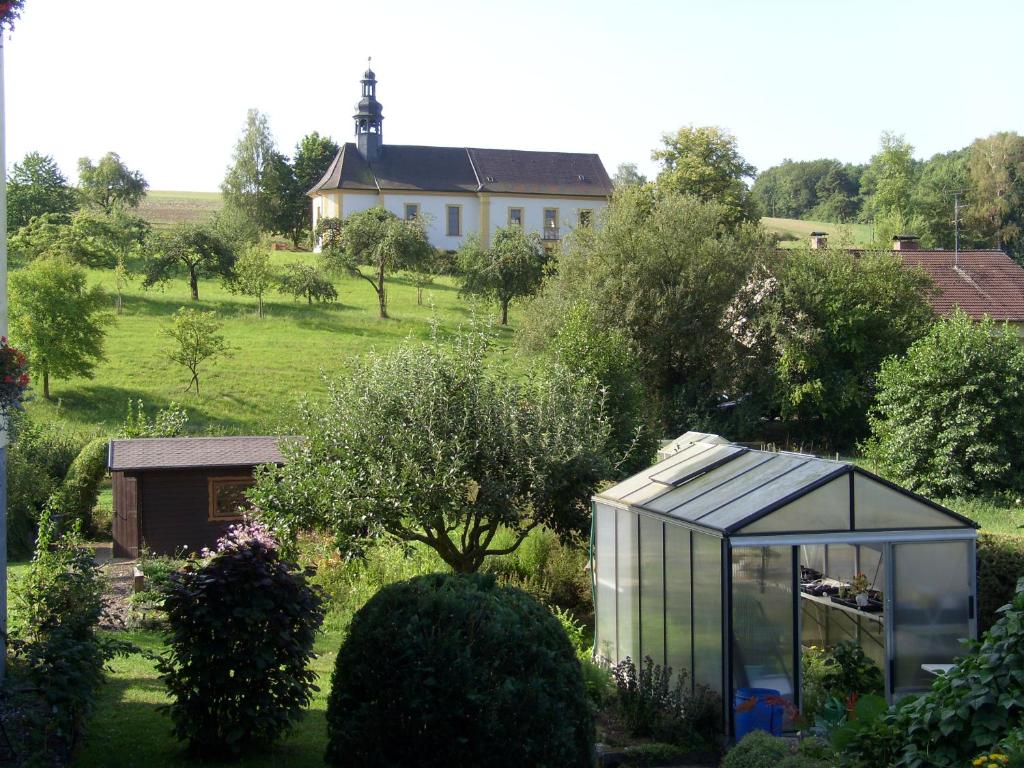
{"points": [[126, 515]]}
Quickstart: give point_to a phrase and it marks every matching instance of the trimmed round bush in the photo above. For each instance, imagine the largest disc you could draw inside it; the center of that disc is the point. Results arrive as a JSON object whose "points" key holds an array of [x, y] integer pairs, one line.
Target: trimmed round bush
{"points": [[448, 669], [240, 639], [758, 749]]}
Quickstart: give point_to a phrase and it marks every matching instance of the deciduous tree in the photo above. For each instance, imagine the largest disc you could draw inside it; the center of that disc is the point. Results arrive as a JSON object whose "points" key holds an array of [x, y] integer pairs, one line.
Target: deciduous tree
{"points": [[246, 185], [313, 156], [511, 268], [197, 339], [704, 162], [253, 275], [36, 187], [305, 281], [110, 183], [59, 318], [195, 248], [996, 168], [416, 444], [627, 175], [377, 239]]}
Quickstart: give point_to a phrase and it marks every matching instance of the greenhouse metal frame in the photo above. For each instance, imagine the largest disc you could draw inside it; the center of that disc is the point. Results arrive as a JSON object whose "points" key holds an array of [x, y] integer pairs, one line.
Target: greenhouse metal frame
{"points": [[726, 562]]}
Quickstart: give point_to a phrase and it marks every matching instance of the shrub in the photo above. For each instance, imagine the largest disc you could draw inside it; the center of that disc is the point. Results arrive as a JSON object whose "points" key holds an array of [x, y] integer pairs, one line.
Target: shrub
{"points": [[241, 631], [649, 703], [57, 605], [1000, 566], [852, 672], [467, 672], [38, 461], [171, 421], [949, 417], [76, 496], [974, 705], [816, 665], [758, 749]]}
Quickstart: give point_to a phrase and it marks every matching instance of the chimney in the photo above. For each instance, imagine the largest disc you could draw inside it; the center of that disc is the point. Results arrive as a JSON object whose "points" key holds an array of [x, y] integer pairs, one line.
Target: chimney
{"points": [[904, 243], [819, 241]]}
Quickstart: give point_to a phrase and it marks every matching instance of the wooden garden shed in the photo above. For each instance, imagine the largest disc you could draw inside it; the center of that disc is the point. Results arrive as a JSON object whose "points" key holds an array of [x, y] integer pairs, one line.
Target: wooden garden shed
{"points": [[181, 493]]}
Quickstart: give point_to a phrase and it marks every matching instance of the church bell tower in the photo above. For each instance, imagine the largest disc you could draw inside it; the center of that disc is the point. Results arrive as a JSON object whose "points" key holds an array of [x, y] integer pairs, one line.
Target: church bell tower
{"points": [[368, 118]]}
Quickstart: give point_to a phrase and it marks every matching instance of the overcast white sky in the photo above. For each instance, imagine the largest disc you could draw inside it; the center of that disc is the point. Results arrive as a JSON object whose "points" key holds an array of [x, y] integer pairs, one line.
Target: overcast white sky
{"points": [[167, 84]]}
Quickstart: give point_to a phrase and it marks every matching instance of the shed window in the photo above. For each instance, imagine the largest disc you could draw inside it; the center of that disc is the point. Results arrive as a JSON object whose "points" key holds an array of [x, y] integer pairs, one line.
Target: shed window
{"points": [[227, 497], [412, 211], [454, 213], [515, 217]]}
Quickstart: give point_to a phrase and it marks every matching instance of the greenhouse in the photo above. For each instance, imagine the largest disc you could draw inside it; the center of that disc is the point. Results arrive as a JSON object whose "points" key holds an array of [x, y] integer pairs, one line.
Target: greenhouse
{"points": [[726, 562]]}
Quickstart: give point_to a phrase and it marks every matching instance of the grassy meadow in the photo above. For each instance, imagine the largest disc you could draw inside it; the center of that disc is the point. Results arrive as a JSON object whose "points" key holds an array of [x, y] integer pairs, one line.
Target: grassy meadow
{"points": [[797, 232]]}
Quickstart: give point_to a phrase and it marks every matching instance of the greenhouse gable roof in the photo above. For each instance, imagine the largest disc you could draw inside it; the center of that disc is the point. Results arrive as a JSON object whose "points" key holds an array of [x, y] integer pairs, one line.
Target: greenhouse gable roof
{"points": [[705, 481]]}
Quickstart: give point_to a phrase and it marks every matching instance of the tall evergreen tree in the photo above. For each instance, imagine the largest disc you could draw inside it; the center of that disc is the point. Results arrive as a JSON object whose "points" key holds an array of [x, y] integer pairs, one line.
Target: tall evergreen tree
{"points": [[37, 186]]}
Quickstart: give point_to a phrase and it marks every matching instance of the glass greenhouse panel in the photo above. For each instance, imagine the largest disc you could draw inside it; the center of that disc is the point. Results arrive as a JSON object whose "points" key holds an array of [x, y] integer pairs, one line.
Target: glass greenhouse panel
{"points": [[604, 569], [930, 608], [678, 622], [824, 509], [879, 507], [627, 583], [652, 590], [707, 611]]}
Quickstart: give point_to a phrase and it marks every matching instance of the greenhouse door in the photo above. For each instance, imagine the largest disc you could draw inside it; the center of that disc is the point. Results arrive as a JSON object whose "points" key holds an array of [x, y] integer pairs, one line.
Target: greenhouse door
{"points": [[930, 611]]}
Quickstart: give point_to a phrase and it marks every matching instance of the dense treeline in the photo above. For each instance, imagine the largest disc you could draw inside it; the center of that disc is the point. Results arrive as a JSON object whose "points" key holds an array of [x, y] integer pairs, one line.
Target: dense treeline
{"points": [[899, 193]]}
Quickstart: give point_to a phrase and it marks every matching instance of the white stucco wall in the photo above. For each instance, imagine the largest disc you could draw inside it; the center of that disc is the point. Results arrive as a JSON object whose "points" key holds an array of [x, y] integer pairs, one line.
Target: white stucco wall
{"points": [[433, 207]]}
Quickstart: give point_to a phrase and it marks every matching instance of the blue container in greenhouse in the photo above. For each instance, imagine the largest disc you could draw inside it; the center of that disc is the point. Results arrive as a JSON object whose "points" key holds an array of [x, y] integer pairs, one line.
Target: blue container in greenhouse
{"points": [[758, 709]]}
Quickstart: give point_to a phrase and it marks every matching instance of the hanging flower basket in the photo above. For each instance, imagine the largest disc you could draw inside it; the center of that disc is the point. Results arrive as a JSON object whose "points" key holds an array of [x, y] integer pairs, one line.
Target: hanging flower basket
{"points": [[10, 12], [14, 381]]}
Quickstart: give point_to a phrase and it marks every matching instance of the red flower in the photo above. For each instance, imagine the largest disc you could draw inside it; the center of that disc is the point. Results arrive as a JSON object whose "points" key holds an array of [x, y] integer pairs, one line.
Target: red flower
{"points": [[8, 379], [23, 379]]}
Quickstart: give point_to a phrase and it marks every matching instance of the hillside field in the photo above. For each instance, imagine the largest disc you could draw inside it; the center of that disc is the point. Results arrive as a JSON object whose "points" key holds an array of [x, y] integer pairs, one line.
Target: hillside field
{"points": [[163, 208], [797, 232], [275, 361]]}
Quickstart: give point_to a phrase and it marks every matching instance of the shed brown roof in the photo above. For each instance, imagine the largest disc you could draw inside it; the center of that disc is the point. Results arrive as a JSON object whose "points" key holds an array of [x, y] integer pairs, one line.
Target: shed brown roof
{"points": [[465, 169], [193, 452], [979, 283]]}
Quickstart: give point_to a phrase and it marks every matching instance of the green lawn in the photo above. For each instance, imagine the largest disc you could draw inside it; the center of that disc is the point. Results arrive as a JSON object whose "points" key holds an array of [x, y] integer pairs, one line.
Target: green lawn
{"points": [[857, 235], [128, 728], [276, 360]]}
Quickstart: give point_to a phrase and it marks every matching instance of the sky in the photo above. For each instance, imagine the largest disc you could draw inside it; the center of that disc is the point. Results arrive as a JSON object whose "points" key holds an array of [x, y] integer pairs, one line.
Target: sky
{"points": [[167, 84]]}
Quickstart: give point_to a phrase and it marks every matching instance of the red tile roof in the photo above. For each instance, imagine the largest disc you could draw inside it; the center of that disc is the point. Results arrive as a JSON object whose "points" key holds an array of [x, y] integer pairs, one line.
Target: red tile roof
{"points": [[980, 283], [193, 452]]}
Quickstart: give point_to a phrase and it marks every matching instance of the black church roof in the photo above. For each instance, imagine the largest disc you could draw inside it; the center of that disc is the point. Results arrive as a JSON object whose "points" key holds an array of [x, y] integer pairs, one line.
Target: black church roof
{"points": [[402, 167]]}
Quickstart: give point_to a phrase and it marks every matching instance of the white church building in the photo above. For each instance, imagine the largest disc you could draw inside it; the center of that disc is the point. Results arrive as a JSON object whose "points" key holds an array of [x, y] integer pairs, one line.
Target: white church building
{"points": [[459, 190]]}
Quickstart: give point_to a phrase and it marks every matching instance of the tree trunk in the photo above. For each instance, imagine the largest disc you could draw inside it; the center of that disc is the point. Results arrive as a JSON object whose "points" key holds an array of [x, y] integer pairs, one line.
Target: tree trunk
{"points": [[259, 306], [419, 295], [193, 283], [309, 298], [381, 295], [46, 384], [117, 303], [504, 312]]}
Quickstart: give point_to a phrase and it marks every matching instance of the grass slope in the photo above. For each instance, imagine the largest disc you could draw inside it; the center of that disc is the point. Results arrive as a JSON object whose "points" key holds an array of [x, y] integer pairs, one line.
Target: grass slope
{"points": [[162, 208], [798, 231], [275, 361]]}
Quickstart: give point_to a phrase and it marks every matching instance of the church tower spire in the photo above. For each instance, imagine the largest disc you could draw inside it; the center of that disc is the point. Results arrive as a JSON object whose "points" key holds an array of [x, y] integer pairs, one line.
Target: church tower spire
{"points": [[368, 118]]}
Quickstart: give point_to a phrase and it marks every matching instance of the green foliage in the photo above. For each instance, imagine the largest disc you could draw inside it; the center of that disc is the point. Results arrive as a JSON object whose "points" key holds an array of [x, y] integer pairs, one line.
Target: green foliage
{"points": [[288, 204], [247, 185], [660, 272], [313, 156], [1000, 567], [705, 163], [110, 184], [830, 319], [377, 239], [308, 282], [37, 464], [57, 606], [757, 749], [790, 189], [949, 418], [36, 186], [973, 706], [253, 275], [425, 443], [653, 702], [198, 249], [197, 340], [171, 421], [59, 318], [73, 502], [816, 667], [627, 175], [995, 166], [889, 179], [241, 631], [851, 672], [511, 268], [484, 672]]}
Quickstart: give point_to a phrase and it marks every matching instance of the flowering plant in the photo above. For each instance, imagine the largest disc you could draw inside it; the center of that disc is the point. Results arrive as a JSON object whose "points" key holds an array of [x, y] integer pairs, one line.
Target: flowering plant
{"points": [[13, 379], [992, 760], [10, 11]]}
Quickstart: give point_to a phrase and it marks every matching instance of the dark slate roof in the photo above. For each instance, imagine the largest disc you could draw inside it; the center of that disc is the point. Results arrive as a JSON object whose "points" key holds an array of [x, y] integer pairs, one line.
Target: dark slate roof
{"points": [[982, 282], [455, 169], [192, 452]]}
